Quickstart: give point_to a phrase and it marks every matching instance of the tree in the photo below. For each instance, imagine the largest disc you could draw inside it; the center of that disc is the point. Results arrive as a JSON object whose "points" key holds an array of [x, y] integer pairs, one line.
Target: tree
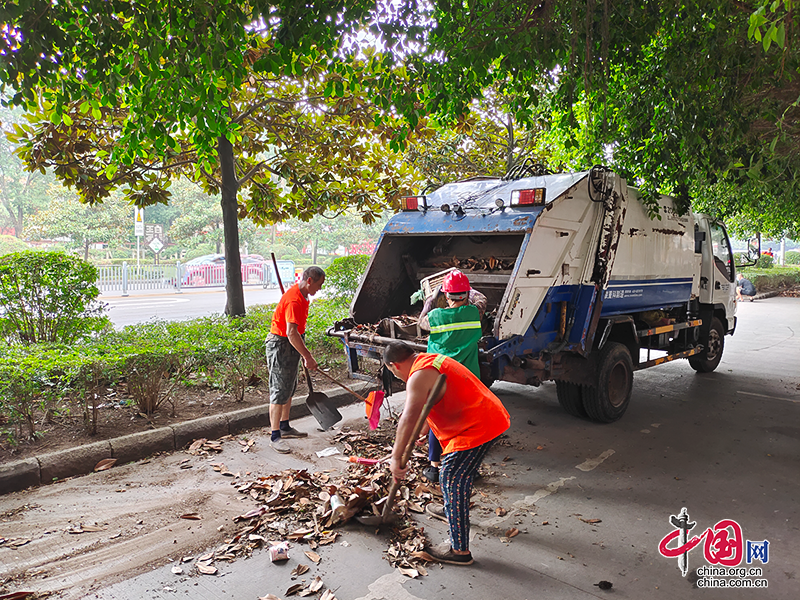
{"points": [[672, 94], [66, 217], [21, 191], [329, 232], [186, 88], [487, 141]]}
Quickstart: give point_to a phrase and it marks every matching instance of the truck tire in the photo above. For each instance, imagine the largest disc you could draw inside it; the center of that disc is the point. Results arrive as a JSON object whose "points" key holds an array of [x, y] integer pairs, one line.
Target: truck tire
{"points": [[570, 399], [709, 358], [608, 400]]}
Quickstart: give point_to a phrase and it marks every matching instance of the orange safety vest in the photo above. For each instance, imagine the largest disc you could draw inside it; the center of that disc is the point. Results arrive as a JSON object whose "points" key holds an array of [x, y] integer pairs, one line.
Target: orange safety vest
{"points": [[468, 415]]}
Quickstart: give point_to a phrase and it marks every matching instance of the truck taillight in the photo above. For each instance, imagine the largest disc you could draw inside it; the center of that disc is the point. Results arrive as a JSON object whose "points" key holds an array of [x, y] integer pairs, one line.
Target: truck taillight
{"points": [[528, 197], [412, 203]]}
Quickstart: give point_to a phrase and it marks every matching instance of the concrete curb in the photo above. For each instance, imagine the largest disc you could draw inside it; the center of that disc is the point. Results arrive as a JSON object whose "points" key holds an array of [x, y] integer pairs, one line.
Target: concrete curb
{"points": [[771, 294], [81, 460]]}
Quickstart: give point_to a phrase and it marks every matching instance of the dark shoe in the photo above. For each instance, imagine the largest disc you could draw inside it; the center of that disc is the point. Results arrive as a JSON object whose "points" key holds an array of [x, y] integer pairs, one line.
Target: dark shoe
{"points": [[292, 433], [431, 474], [444, 554], [436, 511]]}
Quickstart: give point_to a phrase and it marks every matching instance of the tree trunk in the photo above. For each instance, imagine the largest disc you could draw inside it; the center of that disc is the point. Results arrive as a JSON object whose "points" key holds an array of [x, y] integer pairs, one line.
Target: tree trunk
{"points": [[86, 249], [234, 306], [314, 245]]}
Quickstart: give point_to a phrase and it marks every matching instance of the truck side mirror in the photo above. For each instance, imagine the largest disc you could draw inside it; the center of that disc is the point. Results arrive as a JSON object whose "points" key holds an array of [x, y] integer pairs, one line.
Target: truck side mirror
{"points": [[699, 238], [750, 258]]}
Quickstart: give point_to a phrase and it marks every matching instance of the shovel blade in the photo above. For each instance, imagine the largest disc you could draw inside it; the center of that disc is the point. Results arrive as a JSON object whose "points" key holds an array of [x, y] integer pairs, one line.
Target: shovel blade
{"points": [[323, 410]]}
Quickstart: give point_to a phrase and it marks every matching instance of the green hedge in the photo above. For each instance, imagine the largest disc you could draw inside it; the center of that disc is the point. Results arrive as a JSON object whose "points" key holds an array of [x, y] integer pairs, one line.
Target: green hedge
{"points": [[151, 359], [772, 278]]}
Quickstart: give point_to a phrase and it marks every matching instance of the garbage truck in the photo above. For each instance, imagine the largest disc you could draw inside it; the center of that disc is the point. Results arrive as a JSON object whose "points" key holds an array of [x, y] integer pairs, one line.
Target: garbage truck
{"points": [[585, 283]]}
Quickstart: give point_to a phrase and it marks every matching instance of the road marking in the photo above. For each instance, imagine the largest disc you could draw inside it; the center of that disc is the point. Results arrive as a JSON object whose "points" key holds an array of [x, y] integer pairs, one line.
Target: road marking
{"points": [[593, 463], [389, 587], [765, 396], [542, 493]]}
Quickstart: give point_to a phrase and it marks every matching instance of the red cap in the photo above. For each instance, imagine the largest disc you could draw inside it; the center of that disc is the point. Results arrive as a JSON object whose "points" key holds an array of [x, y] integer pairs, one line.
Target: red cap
{"points": [[455, 282]]}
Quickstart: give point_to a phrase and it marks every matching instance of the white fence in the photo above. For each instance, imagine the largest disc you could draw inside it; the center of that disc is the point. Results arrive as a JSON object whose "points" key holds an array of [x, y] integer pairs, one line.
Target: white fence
{"points": [[125, 278]]}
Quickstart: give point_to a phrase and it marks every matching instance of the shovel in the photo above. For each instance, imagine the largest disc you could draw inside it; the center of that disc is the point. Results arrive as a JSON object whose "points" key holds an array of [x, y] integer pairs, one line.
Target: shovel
{"points": [[387, 515], [320, 406]]}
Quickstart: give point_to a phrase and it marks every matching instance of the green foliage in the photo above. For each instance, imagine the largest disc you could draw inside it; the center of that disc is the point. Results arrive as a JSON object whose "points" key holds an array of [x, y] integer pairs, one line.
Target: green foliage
{"points": [[344, 275], [792, 257], [765, 261], [48, 297], [9, 244], [775, 278], [322, 314]]}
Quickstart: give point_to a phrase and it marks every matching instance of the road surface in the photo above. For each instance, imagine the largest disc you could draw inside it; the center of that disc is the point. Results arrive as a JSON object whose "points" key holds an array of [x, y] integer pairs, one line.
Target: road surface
{"points": [[171, 306]]}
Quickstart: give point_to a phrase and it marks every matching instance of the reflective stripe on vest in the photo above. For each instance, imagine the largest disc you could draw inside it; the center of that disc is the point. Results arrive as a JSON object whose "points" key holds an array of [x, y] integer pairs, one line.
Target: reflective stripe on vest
{"points": [[455, 326]]}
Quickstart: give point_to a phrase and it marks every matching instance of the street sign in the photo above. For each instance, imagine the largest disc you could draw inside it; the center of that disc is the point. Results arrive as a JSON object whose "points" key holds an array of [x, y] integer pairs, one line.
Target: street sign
{"points": [[156, 245], [138, 222], [153, 231]]}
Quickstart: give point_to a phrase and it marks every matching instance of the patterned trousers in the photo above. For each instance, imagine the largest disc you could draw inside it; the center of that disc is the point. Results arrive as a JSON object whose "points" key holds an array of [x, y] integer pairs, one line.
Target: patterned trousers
{"points": [[456, 475]]}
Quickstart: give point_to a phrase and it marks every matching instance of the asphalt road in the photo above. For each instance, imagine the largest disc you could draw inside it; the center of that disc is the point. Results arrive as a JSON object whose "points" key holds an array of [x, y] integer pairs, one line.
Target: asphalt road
{"points": [[591, 502], [171, 306]]}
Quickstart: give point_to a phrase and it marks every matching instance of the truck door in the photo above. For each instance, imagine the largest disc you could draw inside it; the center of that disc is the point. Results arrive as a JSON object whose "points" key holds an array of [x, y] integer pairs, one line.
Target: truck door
{"points": [[717, 285]]}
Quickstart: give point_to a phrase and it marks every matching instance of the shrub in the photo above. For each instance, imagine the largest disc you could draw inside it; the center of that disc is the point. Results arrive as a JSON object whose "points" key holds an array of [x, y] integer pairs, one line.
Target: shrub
{"points": [[765, 261], [48, 297], [793, 257], [9, 244], [344, 275]]}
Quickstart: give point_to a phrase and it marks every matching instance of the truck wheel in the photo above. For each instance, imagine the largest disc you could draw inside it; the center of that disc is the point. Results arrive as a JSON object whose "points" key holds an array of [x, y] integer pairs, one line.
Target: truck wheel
{"points": [[569, 397], [709, 358], [607, 401]]}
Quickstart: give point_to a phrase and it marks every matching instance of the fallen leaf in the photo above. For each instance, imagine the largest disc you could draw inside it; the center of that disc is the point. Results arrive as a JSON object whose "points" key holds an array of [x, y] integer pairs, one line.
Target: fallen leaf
{"points": [[177, 570], [295, 588], [413, 573], [545, 522], [316, 585], [16, 595], [314, 557], [299, 570], [206, 569], [191, 516], [604, 585], [327, 595], [591, 521], [104, 464], [500, 511], [422, 555], [268, 597], [414, 507], [513, 532]]}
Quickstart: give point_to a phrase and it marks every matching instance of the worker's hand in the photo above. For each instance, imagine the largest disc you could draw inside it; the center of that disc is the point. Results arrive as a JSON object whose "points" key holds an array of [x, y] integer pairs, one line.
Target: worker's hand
{"points": [[310, 363], [398, 472]]}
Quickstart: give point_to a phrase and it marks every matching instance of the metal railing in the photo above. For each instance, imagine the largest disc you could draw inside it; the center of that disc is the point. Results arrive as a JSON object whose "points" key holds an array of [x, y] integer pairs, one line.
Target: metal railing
{"points": [[126, 278]]}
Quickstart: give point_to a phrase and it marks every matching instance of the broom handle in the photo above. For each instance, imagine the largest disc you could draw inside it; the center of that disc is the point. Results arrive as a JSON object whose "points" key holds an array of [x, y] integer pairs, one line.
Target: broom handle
{"points": [[433, 396], [278, 275], [341, 385]]}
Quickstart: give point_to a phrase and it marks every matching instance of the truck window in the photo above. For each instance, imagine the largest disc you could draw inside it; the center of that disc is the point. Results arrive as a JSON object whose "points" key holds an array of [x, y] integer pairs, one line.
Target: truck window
{"points": [[723, 257]]}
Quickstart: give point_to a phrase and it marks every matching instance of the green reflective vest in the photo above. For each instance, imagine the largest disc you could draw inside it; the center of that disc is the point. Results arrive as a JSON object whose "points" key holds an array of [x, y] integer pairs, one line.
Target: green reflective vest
{"points": [[455, 332]]}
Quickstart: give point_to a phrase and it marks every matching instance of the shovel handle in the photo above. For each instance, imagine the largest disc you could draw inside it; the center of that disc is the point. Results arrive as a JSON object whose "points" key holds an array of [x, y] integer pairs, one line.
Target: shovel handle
{"points": [[433, 397], [341, 385]]}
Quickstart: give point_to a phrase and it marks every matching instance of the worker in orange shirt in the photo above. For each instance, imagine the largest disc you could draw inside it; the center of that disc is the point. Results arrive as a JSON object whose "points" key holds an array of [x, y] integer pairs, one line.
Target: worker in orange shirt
{"points": [[466, 420], [285, 347]]}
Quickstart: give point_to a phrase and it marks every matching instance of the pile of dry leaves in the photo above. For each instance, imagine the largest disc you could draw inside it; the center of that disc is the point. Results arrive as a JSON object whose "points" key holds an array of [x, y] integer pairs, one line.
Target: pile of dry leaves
{"points": [[295, 506]]}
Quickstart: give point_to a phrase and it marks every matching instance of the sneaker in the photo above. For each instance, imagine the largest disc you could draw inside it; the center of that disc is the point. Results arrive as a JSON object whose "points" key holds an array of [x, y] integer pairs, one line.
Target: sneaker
{"points": [[436, 511], [431, 474], [292, 433], [444, 554], [280, 446]]}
